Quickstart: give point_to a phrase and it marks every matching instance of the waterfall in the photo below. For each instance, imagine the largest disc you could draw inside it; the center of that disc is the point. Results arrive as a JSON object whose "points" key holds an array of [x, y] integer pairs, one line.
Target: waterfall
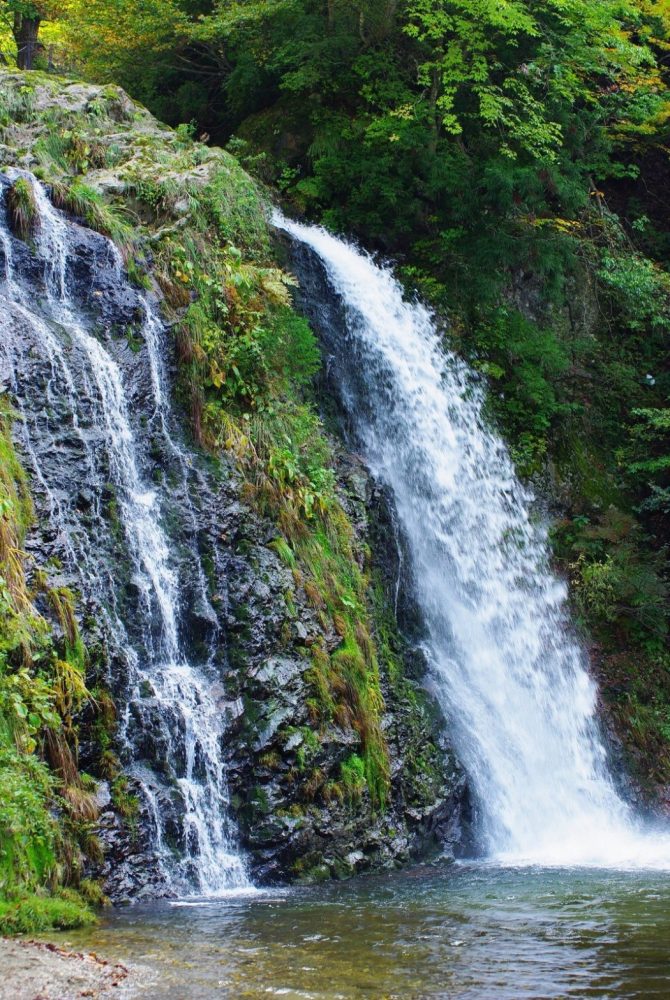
{"points": [[113, 418], [506, 666]]}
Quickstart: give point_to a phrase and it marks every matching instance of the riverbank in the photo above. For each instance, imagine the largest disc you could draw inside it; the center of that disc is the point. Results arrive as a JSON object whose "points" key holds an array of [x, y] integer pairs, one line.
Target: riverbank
{"points": [[37, 970]]}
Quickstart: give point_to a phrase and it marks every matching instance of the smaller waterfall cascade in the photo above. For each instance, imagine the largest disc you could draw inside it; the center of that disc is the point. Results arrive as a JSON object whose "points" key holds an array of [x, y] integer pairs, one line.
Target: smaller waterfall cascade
{"points": [[506, 666], [112, 417]]}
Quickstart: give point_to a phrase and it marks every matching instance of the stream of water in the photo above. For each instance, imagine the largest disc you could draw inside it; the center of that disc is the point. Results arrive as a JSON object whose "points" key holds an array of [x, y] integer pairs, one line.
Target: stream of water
{"points": [[46, 339]]}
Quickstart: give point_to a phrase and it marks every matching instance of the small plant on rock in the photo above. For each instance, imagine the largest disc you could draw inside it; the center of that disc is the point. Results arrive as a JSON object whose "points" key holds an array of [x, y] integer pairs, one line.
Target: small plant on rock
{"points": [[24, 217]]}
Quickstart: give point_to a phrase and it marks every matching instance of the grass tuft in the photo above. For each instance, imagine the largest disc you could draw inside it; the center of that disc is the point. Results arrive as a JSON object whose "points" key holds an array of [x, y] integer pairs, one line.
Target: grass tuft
{"points": [[32, 913], [24, 218]]}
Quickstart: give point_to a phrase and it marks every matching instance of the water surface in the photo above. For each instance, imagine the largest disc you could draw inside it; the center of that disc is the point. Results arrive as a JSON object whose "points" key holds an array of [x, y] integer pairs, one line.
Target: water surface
{"points": [[459, 931]]}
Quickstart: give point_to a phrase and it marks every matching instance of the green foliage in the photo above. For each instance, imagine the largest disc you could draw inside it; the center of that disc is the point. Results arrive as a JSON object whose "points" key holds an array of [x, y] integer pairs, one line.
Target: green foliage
{"points": [[44, 806], [125, 802], [618, 587], [23, 214], [640, 286], [620, 592], [648, 459], [352, 776], [28, 831], [524, 364], [31, 914], [239, 341]]}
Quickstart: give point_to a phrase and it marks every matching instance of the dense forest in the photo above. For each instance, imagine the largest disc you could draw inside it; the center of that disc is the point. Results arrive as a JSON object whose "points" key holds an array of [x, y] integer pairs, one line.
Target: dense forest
{"points": [[512, 159]]}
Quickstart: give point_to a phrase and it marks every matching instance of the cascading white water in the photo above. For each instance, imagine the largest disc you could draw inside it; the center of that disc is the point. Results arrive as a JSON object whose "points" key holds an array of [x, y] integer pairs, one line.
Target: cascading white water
{"points": [[506, 667], [82, 371]]}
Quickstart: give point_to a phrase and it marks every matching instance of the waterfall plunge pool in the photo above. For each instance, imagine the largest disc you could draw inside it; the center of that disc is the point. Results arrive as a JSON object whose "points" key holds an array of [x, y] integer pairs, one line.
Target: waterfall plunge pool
{"points": [[461, 931]]}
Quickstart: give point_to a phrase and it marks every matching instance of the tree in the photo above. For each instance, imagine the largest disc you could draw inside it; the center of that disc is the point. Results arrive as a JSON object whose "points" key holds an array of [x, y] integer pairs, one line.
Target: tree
{"points": [[24, 18], [118, 38], [138, 44]]}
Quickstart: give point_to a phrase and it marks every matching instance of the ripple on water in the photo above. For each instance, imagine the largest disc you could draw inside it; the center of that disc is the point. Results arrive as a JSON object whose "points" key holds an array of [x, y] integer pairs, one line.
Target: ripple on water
{"points": [[463, 932]]}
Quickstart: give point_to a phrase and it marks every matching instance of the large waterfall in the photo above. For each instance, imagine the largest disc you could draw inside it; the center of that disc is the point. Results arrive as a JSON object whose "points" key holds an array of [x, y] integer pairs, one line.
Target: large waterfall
{"points": [[62, 365], [506, 666]]}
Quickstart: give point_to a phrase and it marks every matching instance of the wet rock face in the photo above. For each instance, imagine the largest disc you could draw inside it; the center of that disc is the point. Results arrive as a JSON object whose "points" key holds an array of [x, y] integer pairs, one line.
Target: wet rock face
{"points": [[91, 276], [287, 826], [77, 536], [69, 452], [130, 870], [265, 627]]}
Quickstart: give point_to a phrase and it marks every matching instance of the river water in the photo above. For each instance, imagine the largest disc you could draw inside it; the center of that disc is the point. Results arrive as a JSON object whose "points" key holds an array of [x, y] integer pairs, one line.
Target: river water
{"points": [[459, 931]]}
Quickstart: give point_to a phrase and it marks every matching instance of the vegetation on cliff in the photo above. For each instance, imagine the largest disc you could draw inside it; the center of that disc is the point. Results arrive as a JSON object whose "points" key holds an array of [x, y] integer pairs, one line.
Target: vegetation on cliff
{"points": [[191, 224], [46, 811]]}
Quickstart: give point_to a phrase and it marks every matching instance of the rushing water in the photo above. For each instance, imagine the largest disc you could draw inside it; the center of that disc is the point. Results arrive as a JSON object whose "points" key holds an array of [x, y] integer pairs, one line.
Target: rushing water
{"points": [[464, 933], [507, 668], [88, 396]]}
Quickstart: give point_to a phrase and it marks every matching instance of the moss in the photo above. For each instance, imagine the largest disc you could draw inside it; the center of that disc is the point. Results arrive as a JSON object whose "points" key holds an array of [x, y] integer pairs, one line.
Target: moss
{"points": [[310, 869], [283, 550], [137, 273], [308, 748], [134, 342], [124, 801], [259, 803], [16, 513], [353, 777]]}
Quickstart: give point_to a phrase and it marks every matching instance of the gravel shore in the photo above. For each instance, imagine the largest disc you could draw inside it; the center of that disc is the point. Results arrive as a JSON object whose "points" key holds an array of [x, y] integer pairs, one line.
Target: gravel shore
{"points": [[35, 970]]}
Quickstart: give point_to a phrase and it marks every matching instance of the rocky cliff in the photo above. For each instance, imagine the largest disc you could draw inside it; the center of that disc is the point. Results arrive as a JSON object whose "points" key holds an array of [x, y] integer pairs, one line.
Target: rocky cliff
{"points": [[291, 600]]}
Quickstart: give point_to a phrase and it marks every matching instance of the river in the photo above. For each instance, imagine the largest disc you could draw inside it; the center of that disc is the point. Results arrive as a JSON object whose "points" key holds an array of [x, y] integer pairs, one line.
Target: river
{"points": [[459, 931]]}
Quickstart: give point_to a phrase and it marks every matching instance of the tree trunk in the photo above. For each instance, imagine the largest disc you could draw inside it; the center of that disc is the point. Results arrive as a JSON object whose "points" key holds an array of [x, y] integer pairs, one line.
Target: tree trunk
{"points": [[25, 31]]}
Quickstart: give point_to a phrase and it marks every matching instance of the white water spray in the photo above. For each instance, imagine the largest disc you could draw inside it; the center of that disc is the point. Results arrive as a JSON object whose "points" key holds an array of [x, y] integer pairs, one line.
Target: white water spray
{"points": [[506, 666]]}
